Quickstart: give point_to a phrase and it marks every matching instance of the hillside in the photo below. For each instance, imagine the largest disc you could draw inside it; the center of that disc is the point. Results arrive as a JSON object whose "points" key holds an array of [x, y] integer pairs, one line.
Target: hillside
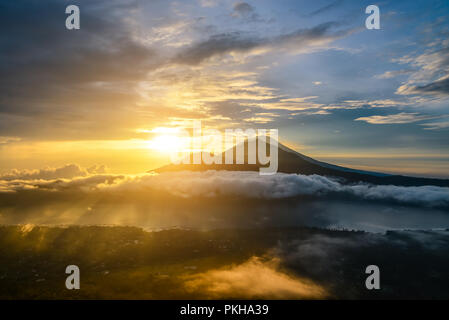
{"points": [[291, 161]]}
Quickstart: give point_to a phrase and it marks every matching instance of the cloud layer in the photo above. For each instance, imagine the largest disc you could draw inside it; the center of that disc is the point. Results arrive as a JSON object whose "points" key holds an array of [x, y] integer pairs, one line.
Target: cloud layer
{"points": [[217, 184], [68, 171]]}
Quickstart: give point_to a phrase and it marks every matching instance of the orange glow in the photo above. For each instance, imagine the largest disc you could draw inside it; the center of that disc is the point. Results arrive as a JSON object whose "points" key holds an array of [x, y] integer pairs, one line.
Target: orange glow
{"points": [[168, 143]]}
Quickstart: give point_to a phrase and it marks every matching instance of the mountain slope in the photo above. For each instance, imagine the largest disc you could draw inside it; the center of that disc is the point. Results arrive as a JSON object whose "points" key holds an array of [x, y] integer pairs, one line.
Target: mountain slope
{"points": [[290, 161]]}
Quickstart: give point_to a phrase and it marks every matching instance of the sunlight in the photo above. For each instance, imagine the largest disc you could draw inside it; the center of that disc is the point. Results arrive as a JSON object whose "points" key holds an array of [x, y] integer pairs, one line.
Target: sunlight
{"points": [[168, 143]]}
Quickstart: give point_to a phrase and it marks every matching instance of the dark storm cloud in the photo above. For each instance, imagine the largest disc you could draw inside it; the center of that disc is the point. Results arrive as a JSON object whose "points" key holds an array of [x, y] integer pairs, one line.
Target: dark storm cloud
{"points": [[39, 48], [438, 87], [240, 42], [43, 65]]}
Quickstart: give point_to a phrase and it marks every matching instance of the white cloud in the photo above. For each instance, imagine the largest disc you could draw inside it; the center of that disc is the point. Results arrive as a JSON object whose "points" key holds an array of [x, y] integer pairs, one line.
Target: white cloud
{"points": [[237, 184], [431, 75], [398, 118], [436, 125]]}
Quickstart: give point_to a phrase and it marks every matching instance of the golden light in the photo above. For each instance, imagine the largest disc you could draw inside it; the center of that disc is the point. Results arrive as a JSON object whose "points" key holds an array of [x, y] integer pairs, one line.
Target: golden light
{"points": [[178, 140], [168, 143]]}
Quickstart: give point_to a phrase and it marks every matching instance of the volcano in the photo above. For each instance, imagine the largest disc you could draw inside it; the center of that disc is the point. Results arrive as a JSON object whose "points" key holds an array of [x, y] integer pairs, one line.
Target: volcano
{"points": [[291, 161]]}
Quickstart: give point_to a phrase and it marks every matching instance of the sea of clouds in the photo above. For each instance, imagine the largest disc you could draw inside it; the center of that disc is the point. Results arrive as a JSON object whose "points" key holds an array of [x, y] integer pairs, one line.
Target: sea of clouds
{"points": [[215, 184]]}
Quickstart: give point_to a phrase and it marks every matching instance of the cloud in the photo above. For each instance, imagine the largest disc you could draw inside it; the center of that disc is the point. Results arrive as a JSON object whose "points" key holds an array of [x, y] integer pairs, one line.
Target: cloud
{"points": [[216, 45], [311, 113], [52, 78], [243, 9], [429, 239], [321, 253], [317, 257], [431, 75], [428, 195], [244, 281], [398, 118], [68, 171], [57, 83], [291, 104], [393, 74], [439, 86], [326, 8], [297, 41], [322, 256], [213, 184], [208, 3], [358, 104], [259, 119], [436, 125], [6, 140]]}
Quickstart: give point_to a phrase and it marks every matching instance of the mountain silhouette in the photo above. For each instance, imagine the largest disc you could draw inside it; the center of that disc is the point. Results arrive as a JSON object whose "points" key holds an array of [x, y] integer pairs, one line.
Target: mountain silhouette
{"points": [[291, 161]]}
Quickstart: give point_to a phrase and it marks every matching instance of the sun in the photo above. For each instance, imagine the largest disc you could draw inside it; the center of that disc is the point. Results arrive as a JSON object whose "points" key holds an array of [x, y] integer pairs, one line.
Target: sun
{"points": [[167, 143]]}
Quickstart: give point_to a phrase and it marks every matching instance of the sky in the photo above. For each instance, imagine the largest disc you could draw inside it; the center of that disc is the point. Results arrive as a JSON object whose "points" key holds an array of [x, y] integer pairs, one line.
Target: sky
{"points": [[336, 91]]}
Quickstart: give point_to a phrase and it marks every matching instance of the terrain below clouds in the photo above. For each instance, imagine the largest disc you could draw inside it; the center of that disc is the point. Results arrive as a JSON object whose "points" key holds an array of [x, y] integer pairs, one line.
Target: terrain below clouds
{"points": [[215, 199], [294, 263]]}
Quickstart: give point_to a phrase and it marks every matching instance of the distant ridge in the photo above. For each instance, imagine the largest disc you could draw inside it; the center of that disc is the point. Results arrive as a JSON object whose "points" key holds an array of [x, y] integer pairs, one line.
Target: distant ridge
{"points": [[291, 161]]}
